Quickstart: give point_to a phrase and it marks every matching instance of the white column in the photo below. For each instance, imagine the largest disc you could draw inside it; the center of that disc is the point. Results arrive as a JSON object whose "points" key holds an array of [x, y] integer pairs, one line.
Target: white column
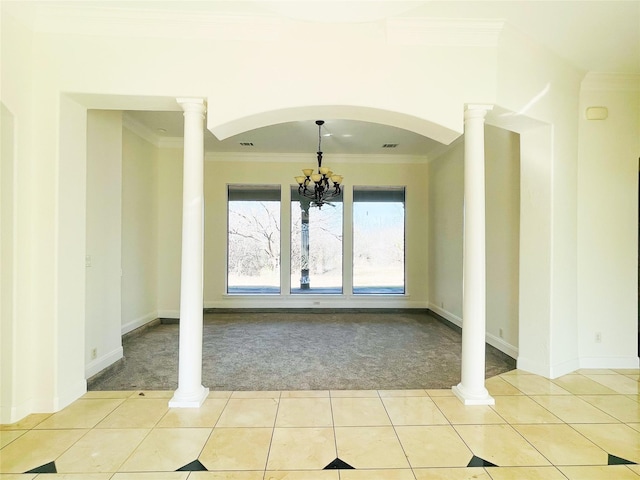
{"points": [[471, 390], [190, 392]]}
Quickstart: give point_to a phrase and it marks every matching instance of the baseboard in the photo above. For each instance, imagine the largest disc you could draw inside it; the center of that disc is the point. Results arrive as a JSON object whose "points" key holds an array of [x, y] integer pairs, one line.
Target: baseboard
{"points": [[457, 321], [562, 368], [327, 310], [307, 301], [103, 362], [114, 367], [171, 317], [12, 414], [501, 345], [609, 362], [73, 393], [492, 340], [546, 370], [530, 366], [138, 322]]}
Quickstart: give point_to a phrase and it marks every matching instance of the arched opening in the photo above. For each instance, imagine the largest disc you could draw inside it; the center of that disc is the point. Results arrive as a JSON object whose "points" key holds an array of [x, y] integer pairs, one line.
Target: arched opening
{"points": [[226, 167]]}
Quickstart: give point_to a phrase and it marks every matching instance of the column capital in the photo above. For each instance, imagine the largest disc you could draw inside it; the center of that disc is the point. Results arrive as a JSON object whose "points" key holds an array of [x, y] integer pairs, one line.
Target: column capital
{"points": [[189, 104], [475, 110]]}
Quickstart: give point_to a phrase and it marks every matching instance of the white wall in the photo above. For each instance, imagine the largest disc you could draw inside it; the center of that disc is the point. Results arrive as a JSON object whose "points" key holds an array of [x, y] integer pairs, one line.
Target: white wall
{"points": [[20, 364], [445, 217], [421, 85], [170, 231], [502, 153], [537, 97], [446, 211], [608, 222], [139, 231], [70, 219], [221, 170], [7, 256], [104, 239]]}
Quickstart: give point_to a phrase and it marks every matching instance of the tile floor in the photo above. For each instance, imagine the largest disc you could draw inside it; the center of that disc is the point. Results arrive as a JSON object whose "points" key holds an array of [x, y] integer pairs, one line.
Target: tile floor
{"points": [[584, 426]]}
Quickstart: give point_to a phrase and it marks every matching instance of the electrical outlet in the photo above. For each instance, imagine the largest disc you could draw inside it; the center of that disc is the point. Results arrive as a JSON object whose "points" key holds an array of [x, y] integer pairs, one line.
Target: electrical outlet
{"points": [[501, 333], [94, 353], [598, 337]]}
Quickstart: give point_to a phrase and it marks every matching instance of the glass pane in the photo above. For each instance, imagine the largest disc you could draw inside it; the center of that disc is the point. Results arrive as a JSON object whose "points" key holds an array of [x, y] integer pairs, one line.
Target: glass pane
{"points": [[378, 241], [316, 247], [253, 261]]}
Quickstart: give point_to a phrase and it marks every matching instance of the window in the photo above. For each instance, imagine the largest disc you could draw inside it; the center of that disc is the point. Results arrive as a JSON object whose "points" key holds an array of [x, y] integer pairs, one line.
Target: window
{"points": [[316, 246], [253, 256], [378, 240]]}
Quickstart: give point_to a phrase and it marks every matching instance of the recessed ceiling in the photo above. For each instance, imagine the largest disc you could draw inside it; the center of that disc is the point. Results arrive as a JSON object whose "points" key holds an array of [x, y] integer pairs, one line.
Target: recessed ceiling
{"points": [[338, 136]]}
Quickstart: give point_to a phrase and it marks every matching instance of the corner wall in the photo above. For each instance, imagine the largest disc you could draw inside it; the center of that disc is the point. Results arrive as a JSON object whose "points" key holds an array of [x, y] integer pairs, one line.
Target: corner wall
{"points": [[608, 223], [170, 232], [103, 344], [139, 231], [8, 220], [538, 95], [446, 211], [19, 363]]}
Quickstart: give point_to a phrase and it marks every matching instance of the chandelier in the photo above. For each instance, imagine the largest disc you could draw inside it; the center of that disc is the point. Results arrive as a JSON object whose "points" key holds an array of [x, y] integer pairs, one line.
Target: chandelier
{"points": [[316, 186]]}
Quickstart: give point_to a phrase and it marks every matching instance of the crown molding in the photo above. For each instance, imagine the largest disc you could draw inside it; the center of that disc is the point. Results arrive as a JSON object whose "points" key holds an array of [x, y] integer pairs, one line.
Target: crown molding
{"points": [[441, 150], [336, 159], [170, 142], [76, 18], [264, 157], [619, 82], [444, 32], [141, 130]]}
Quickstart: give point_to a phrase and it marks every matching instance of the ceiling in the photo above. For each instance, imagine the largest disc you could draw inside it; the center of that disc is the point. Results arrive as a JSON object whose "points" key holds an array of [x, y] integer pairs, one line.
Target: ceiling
{"points": [[599, 36], [338, 136]]}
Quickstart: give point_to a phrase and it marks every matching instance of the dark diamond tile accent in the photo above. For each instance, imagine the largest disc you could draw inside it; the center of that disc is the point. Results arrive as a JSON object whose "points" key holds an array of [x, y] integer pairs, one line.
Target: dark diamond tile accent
{"points": [[194, 466], [613, 460], [46, 468], [338, 464], [480, 462]]}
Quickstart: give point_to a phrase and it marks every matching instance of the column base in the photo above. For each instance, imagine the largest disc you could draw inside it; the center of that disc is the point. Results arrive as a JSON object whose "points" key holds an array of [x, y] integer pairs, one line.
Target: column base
{"points": [[189, 401], [475, 398]]}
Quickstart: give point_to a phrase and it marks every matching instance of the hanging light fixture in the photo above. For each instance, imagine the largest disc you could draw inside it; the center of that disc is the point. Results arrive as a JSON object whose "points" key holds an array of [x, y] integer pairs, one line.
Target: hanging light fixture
{"points": [[316, 186]]}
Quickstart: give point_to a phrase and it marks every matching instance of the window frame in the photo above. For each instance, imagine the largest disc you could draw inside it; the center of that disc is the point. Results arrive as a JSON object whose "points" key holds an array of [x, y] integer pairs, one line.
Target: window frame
{"points": [[337, 291], [376, 193], [258, 193]]}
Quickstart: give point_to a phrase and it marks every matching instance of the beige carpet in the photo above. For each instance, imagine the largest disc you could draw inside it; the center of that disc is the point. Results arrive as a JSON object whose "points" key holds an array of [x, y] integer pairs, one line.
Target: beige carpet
{"points": [[285, 350]]}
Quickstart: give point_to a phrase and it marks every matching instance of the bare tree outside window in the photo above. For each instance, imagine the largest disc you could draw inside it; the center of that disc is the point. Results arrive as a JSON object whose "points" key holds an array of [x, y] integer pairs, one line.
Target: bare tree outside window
{"points": [[318, 269], [253, 260], [254, 239]]}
